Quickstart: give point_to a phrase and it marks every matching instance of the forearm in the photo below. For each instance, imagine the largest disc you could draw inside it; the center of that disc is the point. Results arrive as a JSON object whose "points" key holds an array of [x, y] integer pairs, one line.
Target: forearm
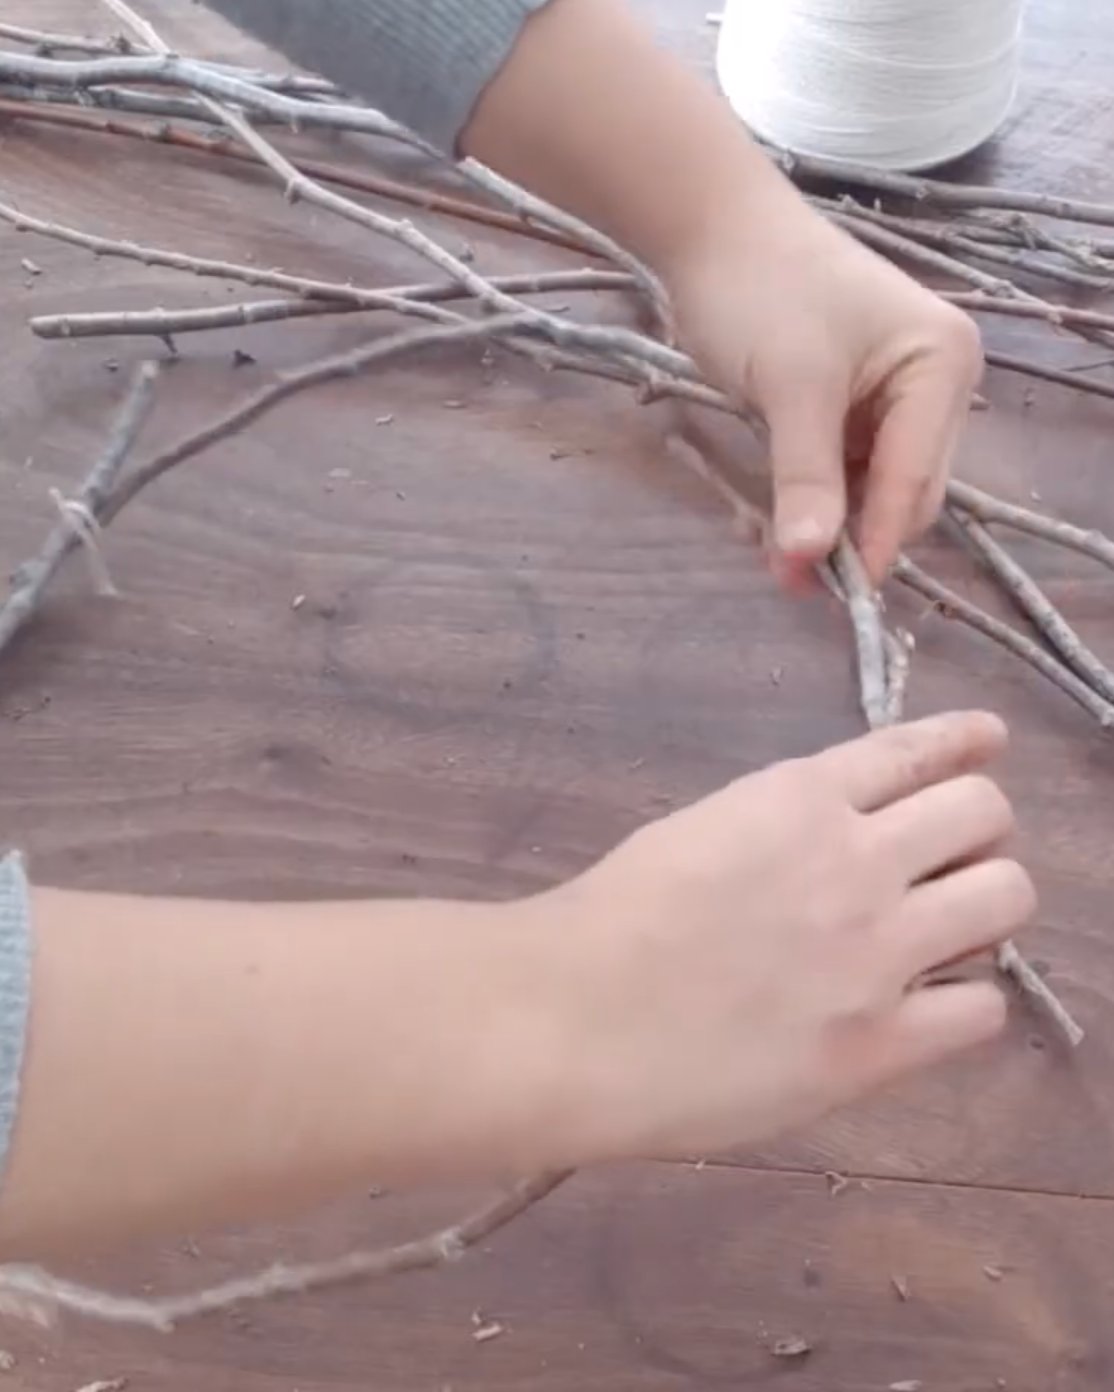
{"points": [[592, 114], [190, 1063], [573, 99]]}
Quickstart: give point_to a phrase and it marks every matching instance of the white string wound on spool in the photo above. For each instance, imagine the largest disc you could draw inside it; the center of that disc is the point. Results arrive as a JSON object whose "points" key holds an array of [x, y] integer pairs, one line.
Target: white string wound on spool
{"points": [[899, 84]]}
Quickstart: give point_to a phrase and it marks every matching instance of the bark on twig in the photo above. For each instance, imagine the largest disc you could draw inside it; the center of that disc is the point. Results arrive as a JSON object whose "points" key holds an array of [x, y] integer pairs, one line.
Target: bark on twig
{"points": [[936, 193], [358, 180], [314, 374], [870, 638], [954, 606], [1031, 600], [1034, 987], [1008, 362], [30, 581], [33, 1294], [402, 299], [984, 507]]}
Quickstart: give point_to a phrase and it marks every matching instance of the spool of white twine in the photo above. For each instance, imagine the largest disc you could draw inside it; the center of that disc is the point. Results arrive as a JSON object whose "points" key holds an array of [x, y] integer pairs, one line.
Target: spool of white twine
{"points": [[900, 84]]}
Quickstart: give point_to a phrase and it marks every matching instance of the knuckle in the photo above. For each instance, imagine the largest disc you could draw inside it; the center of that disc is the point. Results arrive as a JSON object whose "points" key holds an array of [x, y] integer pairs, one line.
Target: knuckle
{"points": [[988, 803], [960, 339], [915, 751], [1016, 890]]}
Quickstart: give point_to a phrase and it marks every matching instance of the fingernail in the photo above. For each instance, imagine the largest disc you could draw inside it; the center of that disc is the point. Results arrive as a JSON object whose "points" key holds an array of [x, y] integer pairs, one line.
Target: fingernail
{"points": [[802, 534]]}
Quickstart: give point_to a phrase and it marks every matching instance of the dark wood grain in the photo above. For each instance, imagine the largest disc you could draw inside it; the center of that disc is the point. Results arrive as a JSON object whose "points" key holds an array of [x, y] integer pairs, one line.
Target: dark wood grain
{"points": [[504, 662], [654, 1279]]}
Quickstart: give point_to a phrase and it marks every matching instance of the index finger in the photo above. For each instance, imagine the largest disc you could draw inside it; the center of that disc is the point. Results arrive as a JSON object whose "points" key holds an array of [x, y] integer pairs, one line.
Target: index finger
{"points": [[888, 765]]}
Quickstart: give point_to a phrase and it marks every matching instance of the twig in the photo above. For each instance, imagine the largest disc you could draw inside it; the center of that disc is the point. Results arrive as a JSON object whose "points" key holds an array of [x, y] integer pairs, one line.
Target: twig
{"points": [[870, 641], [216, 88], [1007, 362], [1058, 315], [1007, 957], [360, 181], [976, 301], [903, 248], [30, 581], [47, 43], [954, 606], [986, 508], [654, 384], [952, 238], [32, 1294], [536, 210], [402, 299], [939, 194], [1034, 604], [226, 94], [1033, 986], [317, 373]]}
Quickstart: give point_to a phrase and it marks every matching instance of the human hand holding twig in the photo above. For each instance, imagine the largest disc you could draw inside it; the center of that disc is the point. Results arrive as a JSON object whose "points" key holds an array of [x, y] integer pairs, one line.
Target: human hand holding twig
{"points": [[863, 377], [753, 961]]}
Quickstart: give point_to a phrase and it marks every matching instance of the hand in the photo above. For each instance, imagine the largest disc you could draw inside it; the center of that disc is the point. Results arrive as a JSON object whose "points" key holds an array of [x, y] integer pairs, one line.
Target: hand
{"points": [[753, 961], [863, 377]]}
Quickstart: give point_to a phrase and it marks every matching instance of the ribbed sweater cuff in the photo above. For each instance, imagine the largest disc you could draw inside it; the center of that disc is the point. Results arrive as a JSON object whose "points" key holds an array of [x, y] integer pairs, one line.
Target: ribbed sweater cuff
{"points": [[15, 992], [423, 62]]}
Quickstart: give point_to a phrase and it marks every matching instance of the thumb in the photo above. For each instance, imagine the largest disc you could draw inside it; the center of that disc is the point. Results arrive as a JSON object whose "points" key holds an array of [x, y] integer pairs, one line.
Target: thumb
{"points": [[810, 483]]}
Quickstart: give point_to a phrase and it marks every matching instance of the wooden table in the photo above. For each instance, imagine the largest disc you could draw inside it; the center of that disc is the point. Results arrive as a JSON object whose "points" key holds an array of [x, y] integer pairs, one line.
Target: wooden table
{"points": [[505, 660]]}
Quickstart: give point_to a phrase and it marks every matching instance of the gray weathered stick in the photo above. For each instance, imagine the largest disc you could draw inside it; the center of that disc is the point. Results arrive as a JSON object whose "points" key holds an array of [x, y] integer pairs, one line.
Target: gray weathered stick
{"points": [[30, 581]]}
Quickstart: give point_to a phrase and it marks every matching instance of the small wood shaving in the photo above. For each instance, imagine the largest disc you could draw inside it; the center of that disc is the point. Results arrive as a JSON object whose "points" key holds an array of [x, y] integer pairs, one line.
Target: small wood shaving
{"points": [[837, 1183], [901, 1286], [792, 1347]]}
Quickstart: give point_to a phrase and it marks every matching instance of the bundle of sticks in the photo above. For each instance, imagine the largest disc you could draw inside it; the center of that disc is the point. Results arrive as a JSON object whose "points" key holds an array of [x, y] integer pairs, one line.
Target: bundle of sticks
{"points": [[983, 249]]}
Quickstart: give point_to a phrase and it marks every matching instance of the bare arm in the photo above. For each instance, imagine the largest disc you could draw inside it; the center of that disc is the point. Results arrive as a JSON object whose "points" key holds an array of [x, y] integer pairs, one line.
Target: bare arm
{"points": [[850, 362], [728, 972], [192, 1062]]}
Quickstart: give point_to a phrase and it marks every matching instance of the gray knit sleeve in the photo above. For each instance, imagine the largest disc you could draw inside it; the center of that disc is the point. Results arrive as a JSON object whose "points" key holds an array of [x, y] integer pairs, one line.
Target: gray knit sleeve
{"points": [[15, 991], [424, 63]]}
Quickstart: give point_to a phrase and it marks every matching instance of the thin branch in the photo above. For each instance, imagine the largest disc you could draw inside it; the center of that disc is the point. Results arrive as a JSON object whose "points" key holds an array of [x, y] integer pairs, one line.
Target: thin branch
{"points": [[1058, 315], [32, 1294], [147, 35], [1034, 604], [534, 209], [1034, 987], [1025, 367], [986, 508], [412, 195], [936, 193], [227, 94], [902, 248], [975, 301], [897, 246], [1019, 645], [214, 87], [654, 384], [402, 299], [870, 641], [29, 584], [47, 43], [953, 238], [317, 373]]}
